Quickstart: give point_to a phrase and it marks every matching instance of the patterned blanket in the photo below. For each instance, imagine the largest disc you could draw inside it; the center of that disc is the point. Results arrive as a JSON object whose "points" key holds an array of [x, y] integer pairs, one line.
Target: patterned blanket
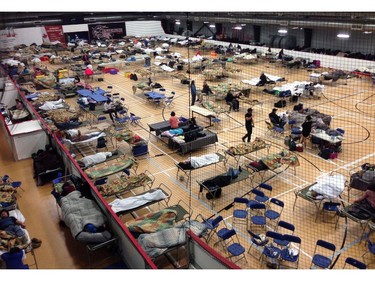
{"points": [[125, 135], [109, 168], [153, 222], [8, 241], [245, 148], [7, 195], [214, 107], [274, 161], [120, 185]]}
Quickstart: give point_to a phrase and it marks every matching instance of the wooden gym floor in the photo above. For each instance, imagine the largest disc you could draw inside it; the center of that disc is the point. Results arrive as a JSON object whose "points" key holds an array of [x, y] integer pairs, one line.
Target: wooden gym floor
{"points": [[350, 105]]}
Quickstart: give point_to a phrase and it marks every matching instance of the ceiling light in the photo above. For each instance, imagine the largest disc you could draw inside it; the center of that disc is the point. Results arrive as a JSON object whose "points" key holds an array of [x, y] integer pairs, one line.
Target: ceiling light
{"points": [[237, 27], [342, 35], [212, 25], [283, 31], [177, 22], [367, 32], [206, 22]]}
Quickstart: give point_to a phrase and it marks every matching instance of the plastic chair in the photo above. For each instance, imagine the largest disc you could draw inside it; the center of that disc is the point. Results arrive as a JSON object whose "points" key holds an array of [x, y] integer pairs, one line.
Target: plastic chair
{"points": [[274, 209], [290, 255], [240, 212], [231, 244], [323, 254], [351, 263]]}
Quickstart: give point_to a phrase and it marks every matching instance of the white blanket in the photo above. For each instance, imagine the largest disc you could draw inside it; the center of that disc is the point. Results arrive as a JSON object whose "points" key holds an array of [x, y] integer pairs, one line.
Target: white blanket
{"points": [[204, 160], [119, 205], [50, 105], [329, 186], [95, 158]]}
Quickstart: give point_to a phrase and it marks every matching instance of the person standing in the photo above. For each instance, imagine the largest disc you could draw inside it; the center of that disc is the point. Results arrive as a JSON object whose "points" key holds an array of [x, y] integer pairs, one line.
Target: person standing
{"points": [[249, 124], [193, 91], [306, 129]]}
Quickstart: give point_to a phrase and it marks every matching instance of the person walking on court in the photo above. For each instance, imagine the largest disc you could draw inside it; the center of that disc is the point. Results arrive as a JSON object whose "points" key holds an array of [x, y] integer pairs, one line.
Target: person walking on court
{"points": [[193, 91], [249, 124]]}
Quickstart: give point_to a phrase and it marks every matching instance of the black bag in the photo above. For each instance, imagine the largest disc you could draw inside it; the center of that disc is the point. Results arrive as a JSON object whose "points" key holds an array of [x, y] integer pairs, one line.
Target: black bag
{"points": [[292, 145], [293, 99], [358, 212], [184, 81], [298, 107], [100, 79], [324, 153], [280, 104]]}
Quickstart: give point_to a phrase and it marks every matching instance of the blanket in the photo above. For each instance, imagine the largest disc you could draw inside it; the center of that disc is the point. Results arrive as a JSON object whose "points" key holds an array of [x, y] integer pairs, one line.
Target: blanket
{"points": [[274, 161], [7, 195], [109, 168], [120, 185], [8, 241], [77, 211], [153, 222], [329, 186], [245, 148], [204, 160], [157, 243], [154, 195]]}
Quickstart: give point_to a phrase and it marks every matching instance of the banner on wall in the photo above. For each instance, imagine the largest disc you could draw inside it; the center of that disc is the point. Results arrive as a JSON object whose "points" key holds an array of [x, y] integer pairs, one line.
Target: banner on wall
{"points": [[107, 31], [53, 33]]}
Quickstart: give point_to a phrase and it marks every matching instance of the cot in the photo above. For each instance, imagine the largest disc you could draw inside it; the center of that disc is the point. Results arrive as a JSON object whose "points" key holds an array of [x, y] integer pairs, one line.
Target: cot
{"points": [[111, 167], [122, 206], [327, 188], [123, 184], [195, 163], [244, 149], [165, 241], [214, 185], [78, 213], [8, 240], [273, 162]]}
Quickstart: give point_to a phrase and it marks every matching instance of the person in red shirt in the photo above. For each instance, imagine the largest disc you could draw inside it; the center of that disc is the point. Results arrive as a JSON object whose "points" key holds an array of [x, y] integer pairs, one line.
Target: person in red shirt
{"points": [[173, 120]]}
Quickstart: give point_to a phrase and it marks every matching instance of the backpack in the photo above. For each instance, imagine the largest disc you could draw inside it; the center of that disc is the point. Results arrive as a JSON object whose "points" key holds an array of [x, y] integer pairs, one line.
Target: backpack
{"points": [[292, 145], [280, 104], [325, 153]]}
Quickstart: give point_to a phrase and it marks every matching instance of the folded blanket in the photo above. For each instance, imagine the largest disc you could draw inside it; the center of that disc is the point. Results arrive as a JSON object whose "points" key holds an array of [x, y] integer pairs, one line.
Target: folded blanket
{"points": [[329, 186]]}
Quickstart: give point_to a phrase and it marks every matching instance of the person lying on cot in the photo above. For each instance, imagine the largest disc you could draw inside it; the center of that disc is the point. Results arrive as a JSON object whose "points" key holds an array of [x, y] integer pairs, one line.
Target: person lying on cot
{"points": [[94, 159]]}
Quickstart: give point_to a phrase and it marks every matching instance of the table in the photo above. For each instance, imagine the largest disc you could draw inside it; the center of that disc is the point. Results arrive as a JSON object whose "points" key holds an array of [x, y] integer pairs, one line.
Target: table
{"points": [[203, 112], [325, 137], [154, 97], [96, 95]]}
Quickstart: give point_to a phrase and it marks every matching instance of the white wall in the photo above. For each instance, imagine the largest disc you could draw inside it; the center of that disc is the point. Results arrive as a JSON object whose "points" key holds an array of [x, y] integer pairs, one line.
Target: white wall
{"points": [[144, 28]]}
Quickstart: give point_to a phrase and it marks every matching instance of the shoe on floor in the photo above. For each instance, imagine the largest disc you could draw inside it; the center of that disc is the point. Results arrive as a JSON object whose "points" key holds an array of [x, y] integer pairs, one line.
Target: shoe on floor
{"points": [[36, 240], [243, 139]]}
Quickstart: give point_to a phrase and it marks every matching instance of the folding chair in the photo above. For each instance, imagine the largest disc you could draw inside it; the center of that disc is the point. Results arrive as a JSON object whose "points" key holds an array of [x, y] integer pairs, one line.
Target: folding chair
{"points": [[134, 120], [351, 263], [259, 241], [285, 228], [274, 209], [212, 226], [290, 255], [257, 216], [240, 212], [15, 184], [271, 251], [231, 244], [267, 190], [323, 254]]}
